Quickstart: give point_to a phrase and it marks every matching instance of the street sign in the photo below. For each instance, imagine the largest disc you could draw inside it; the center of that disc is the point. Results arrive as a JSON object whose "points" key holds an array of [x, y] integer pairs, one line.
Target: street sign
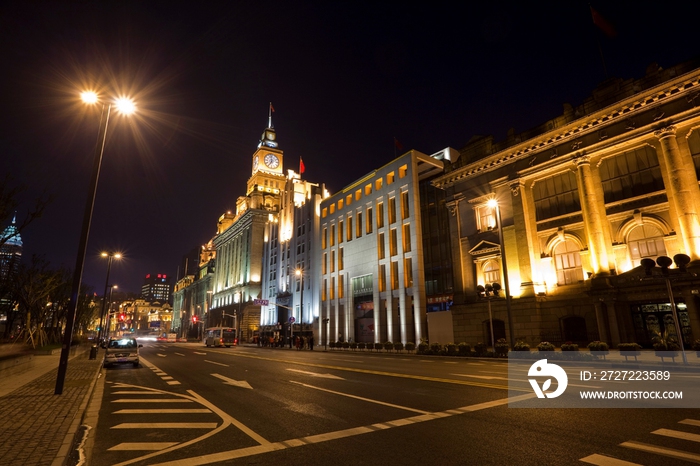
{"points": [[292, 319], [261, 302]]}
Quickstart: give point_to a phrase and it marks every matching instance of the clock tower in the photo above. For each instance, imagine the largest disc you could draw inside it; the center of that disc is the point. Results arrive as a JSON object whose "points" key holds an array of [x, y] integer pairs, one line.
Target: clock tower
{"points": [[267, 177]]}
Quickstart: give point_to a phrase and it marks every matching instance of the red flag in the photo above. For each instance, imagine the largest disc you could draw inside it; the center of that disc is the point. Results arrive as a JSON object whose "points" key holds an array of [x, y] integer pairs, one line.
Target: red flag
{"points": [[302, 168], [398, 145], [603, 24]]}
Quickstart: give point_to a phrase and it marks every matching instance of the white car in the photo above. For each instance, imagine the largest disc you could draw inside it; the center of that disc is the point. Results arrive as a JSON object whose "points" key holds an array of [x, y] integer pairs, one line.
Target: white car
{"points": [[122, 350]]}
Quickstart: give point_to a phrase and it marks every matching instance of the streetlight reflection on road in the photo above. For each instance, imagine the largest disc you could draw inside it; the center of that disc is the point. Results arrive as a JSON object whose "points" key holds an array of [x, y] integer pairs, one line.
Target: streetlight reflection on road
{"points": [[124, 106]]}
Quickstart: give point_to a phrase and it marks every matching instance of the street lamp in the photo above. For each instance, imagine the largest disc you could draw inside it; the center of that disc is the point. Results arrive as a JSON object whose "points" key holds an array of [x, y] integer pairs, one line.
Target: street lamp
{"points": [[109, 256], [488, 292], [493, 203], [125, 106]]}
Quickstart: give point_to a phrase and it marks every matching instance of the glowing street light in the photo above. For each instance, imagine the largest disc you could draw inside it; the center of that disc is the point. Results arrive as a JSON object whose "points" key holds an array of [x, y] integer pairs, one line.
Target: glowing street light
{"points": [[493, 203], [89, 97]]}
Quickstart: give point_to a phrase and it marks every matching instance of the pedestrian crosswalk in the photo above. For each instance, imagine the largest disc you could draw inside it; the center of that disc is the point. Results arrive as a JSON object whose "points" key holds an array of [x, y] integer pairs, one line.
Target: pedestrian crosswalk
{"points": [[690, 454]]}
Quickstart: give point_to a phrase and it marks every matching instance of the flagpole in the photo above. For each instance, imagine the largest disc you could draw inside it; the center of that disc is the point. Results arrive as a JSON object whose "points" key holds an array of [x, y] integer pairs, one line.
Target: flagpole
{"points": [[269, 116]]}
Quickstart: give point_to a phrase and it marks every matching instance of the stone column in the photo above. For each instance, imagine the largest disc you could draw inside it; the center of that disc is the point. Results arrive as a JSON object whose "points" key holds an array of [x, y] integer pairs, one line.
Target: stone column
{"points": [[528, 246], [594, 219], [682, 188]]}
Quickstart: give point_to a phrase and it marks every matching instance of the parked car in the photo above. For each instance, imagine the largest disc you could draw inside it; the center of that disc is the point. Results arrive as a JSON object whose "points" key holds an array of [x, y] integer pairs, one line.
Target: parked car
{"points": [[123, 350]]}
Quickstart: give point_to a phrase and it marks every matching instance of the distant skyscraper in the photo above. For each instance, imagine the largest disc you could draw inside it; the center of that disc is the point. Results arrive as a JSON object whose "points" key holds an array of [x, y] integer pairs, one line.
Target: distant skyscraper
{"points": [[156, 287], [10, 250]]}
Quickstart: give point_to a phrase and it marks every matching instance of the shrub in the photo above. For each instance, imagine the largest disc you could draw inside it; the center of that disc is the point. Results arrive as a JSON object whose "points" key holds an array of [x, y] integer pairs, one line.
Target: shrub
{"points": [[480, 349], [398, 346], [665, 342], [568, 346], [331, 344], [629, 347], [435, 348], [353, 346], [545, 346], [388, 345], [361, 345], [423, 348], [521, 346], [598, 346], [410, 346], [346, 345], [464, 349], [378, 346], [451, 349], [501, 348]]}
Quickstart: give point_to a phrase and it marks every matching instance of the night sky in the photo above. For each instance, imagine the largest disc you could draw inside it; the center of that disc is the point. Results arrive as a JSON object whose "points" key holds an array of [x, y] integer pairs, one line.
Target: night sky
{"points": [[344, 81]]}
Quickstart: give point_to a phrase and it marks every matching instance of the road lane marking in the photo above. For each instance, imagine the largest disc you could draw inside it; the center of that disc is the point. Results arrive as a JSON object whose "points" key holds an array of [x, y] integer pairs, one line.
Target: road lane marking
{"points": [[678, 434], [329, 436], [601, 460], [173, 382], [146, 400], [161, 355], [179, 354], [197, 352], [369, 400], [166, 425], [316, 374], [163, 411], [140, 446], [690, 422], [135, 392], [217, 363], [670, 452], [382, 373], [235, 383]]}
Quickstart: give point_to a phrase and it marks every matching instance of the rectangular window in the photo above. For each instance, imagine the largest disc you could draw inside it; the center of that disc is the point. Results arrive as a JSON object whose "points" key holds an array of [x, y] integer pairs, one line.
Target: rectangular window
{"points": [[358, 194], [407, 237], [404, 205], [341, 258], [393, 242], [631, 174], [341, 288], [394, 275], [403, 171], [323, 291], [390, 178], [340, 231], [382, 277], [378, 184], [368, 220], [556, 195], [485, 217], [324, 238], [368, 189], [332, 235], [408, 273], [324, 212], [380, 215], [392, 210], [380, 246], [349, 230], [358, 224], [324, 264], [340, 204], [348, 199], [332, 290], [332, 261], [333, 207]]}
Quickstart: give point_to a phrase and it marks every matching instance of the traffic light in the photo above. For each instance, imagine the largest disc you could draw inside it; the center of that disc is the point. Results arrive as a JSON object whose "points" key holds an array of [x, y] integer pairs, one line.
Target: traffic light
{"points": [[194, 319], [122, 317]]}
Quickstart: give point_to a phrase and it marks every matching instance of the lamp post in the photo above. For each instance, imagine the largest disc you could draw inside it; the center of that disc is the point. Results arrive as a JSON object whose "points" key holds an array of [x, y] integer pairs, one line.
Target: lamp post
{"points": [[125, 106], [109, 256], [511, 333], [109, 308], [488, 292]]}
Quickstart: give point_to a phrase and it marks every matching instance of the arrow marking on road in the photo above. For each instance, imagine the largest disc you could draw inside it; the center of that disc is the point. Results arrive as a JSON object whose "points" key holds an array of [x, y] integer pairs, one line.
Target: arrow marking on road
{"points": [[316, 374], [235, 383]]}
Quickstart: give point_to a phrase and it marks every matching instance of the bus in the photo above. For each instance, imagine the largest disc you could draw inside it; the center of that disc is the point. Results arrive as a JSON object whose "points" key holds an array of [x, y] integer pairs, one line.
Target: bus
{"points": [[220, 336]]}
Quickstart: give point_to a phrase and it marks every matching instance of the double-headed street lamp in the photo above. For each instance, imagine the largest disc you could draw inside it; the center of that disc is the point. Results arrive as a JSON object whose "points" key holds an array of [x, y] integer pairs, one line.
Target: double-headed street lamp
{"points": [[109, 255], [493, 203], [125, 106], [300, 274]]}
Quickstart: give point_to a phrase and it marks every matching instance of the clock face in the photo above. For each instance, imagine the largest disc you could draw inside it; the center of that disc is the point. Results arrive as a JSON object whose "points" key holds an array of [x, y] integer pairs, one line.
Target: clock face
{"points": [[255, 164], [272, 161]]}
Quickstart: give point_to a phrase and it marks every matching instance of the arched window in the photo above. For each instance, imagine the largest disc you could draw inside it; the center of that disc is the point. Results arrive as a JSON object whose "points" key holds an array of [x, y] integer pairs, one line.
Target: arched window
{"points": [[567, 260], [492, 272], [645, 241]]}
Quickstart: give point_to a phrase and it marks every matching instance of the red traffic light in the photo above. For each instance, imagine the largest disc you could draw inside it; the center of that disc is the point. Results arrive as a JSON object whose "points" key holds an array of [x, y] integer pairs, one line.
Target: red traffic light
{"points": [[122, 317], [194, 319]]}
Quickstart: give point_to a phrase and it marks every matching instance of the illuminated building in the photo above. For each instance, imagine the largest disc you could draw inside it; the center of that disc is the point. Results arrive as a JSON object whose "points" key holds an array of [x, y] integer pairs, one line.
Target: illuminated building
{"points": [[156, 287], [372, 261], [10, 250], [584, 198], [290, 238]]}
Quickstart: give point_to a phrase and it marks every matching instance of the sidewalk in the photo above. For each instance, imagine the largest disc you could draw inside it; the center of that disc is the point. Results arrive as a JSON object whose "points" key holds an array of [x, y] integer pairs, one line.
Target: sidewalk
{"points": [[37, 426]]}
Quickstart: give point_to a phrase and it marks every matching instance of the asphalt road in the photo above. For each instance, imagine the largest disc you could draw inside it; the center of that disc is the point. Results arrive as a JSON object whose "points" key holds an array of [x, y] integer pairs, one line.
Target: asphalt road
{"points": [[190, 405]]}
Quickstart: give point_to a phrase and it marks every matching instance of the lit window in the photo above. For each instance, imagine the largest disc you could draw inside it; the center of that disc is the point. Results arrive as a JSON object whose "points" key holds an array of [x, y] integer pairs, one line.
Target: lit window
{"points": [[492, 272], [368, 190], [403, 170], [645, 241], [567, 259], [392, 210], [393, 242], [485, 217], [380, 215], [407, 237], [378, 184], [390, 178]]}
